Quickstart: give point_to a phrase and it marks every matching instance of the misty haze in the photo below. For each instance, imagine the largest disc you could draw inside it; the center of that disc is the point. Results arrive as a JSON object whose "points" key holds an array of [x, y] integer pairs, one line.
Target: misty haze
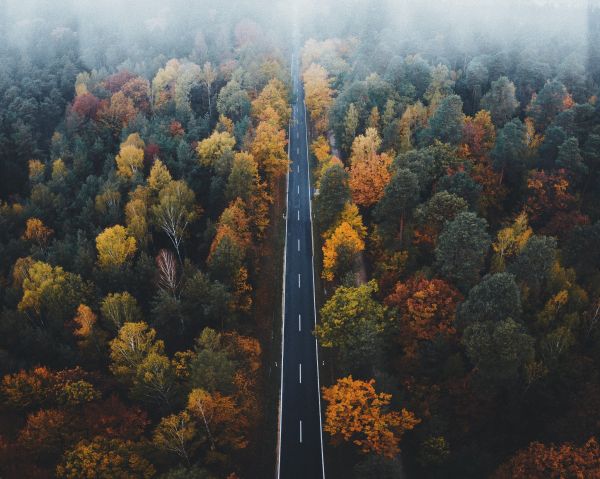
{"points": [[247, 239]]}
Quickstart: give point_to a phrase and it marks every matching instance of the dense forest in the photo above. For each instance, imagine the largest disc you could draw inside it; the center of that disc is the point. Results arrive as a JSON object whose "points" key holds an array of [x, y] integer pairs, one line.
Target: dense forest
{"points": [[457, 213], [455, 155], [139, 176]]}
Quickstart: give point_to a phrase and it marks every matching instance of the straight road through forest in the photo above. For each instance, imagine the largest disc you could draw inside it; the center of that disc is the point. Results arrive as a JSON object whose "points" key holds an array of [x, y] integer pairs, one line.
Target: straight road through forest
{"points": [[300, 440]]}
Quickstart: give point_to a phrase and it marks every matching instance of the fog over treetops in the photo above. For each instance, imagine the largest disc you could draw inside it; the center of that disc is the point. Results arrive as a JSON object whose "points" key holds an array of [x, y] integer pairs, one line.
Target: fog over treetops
{"points": [[439, 164]]}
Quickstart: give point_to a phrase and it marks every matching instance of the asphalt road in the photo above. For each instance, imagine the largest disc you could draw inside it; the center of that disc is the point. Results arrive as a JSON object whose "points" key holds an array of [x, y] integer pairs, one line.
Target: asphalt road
{"points": [[301, 446]]}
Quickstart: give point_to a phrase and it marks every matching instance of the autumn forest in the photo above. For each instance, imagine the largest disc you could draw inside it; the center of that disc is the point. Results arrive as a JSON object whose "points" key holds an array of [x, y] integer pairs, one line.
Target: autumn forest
{"points": [[455, 192]]}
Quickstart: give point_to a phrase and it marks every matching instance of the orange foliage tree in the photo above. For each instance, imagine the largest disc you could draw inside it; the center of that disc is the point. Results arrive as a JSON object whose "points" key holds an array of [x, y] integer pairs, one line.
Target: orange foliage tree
{"points": [[37, 232], [357, 413], [540, 461], [218, 416], [102, 457], [369, 171], [425, 308], [479, 134], [116, 113], [229, 251]]}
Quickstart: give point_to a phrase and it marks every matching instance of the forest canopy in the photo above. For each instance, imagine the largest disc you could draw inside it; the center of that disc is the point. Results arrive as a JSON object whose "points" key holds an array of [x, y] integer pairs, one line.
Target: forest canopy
{"points": [[455, 160]]}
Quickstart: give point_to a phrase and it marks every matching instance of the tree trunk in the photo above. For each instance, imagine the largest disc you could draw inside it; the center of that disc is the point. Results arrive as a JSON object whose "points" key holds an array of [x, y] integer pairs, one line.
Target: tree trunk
{"points": [[212, 442], [401, 235]]}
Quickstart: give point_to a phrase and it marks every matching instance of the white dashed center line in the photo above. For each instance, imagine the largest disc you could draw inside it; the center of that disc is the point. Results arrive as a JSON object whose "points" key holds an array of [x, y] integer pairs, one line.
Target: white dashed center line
{"points": [[298, 245], [300, 431], [299, 322], [298, 280], [300, 373]]}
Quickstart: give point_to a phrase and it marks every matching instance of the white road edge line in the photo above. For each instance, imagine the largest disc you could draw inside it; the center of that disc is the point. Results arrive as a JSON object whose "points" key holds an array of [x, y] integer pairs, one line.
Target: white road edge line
{"points": [[287, 186], [312, 263]]}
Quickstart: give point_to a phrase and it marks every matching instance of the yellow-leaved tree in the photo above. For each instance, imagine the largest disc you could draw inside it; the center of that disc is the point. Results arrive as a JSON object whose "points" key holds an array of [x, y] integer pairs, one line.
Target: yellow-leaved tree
{"points": [[273, 95], [510, 241], [159, 176], [340, 250], [322, 150], [131, 156], [318, 96], [357, 413], [115, 246], [216, 151], [268, 149]]}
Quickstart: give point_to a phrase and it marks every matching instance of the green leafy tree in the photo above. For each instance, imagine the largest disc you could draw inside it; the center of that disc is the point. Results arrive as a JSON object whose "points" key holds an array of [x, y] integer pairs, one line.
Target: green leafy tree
{"points": [[463, 185], [569, 157], [233, 101], [211, 368], [499, 350], [510, 150], [461, 249], [477, 77], [496, 298], [554, 137], [203, 300], [350, 126], [501, 101], [352, 322], [431, 215], [534, 263], [447, 122], [548, 103], [334, 193], [399, 197]]}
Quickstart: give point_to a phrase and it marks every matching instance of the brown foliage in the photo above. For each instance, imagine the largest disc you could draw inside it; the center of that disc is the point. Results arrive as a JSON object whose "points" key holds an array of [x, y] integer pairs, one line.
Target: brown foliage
{"points": [[86, 105], [37, 232], [425, 308], [540, 461], [550, 204]]}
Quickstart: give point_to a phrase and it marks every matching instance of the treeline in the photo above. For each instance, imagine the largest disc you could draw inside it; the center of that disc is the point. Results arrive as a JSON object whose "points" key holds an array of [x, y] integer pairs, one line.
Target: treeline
{"points": [[136, 211], [457, 212]]}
